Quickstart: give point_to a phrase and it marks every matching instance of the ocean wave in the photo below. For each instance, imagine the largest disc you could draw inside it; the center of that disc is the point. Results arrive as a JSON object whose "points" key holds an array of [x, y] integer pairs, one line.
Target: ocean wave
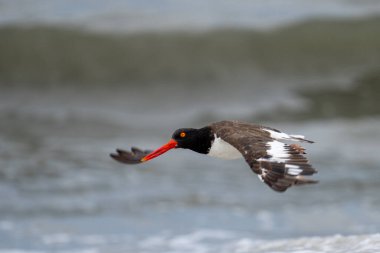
{"points": [[49, 56], [207, 241], [336, 244], [359, 99], [224, 241]]}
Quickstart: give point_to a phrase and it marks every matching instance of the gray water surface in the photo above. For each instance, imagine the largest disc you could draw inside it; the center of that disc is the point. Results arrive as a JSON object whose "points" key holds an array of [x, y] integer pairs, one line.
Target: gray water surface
{"points": [[61, 192], [81, 78]]}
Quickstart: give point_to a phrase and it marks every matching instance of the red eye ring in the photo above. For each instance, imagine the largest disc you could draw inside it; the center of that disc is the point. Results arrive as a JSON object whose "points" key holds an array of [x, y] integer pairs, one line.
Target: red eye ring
{"points": [[182, 134]]}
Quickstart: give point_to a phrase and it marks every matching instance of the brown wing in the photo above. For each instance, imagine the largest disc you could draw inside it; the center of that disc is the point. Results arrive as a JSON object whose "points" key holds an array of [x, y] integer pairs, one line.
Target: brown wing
{"points": [[130, 157], [277, 164]]}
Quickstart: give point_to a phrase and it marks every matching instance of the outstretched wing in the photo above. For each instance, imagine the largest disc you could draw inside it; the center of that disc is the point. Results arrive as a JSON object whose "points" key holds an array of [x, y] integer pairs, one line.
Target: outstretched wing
{"points": [[130, 157], [277, 164]]}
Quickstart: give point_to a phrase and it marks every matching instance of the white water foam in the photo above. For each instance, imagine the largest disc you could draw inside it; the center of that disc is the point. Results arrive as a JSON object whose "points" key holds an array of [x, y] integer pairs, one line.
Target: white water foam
{"points": [[208, 241]]}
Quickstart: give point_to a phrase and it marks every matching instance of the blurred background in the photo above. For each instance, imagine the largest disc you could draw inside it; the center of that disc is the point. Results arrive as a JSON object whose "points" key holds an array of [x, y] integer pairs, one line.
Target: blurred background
{"points": [[81, 78]]}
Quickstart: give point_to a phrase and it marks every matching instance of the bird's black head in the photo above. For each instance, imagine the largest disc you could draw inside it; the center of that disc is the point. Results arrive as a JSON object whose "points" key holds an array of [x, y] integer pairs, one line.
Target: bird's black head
{"points": [[198, 140]]}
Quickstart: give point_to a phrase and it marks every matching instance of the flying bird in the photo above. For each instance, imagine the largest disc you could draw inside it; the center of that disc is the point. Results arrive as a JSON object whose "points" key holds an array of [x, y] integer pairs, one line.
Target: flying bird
{"points": [[277, 163]]}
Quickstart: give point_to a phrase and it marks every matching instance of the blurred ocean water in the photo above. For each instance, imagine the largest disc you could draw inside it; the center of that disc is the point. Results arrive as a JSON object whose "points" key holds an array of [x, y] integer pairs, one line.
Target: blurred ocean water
{"points": [[300, 54], [161, 15], [81, 78], [61, 192]]}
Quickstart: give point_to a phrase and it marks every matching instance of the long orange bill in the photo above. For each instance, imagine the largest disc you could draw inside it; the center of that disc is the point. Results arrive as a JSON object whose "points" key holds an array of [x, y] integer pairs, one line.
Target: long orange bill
{"points": [[168, 146]]}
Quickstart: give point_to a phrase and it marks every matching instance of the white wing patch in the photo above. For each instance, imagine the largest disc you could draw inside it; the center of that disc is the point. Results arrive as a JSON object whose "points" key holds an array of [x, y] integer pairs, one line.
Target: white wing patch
{"points": [[293, 170], [283, 136], [224, 150], [277, 152]]}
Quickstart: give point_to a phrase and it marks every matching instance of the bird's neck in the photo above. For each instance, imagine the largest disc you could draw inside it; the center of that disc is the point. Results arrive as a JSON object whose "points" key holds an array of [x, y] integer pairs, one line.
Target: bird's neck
{"points": [[202, 140]]}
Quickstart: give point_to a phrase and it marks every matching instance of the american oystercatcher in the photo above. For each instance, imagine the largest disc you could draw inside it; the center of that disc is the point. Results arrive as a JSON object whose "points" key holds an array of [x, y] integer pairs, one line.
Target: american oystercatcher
{"points": [[278, 164]]}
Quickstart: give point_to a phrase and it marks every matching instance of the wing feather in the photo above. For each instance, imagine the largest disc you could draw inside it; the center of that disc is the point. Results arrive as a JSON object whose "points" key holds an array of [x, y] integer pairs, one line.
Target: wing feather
{"points": [[278, 164]]}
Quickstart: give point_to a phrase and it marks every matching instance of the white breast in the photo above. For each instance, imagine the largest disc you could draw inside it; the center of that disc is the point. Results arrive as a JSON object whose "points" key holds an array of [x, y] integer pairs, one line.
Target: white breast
{"points": [[224, 150]]}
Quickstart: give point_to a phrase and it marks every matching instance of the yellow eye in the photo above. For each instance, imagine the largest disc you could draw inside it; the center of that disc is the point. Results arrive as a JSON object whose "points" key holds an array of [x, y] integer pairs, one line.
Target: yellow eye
{"points": [[182, 134]]}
